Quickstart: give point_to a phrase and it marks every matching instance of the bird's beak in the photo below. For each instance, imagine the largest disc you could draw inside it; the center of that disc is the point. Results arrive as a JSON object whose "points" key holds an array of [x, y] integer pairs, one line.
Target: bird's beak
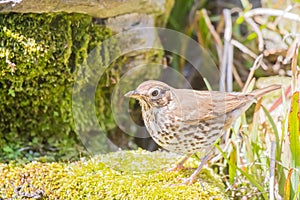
{"points": [[132, 94]]}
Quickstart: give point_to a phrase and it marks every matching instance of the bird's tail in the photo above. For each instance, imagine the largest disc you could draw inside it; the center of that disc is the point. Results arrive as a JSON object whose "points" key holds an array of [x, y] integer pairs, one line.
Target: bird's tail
{"points": [[260, 92]]}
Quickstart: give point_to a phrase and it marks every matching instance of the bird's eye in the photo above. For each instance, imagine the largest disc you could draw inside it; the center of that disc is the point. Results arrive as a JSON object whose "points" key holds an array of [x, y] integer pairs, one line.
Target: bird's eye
{"points": [[154, 93]]}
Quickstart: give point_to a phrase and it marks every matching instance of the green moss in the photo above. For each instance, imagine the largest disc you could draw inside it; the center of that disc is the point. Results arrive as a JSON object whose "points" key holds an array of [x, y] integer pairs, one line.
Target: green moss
{"points": [[119, 175], [39, 57]]}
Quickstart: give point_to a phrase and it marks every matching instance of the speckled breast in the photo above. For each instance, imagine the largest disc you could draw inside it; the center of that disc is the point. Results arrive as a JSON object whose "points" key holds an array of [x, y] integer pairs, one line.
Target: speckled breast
{"points": [[170, 133]]}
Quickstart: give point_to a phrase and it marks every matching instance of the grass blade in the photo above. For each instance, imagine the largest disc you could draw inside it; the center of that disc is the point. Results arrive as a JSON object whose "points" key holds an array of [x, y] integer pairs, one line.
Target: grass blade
{"points": [[274, 127], [244, 173], [294, 131], [287, 186], [232, 160]]}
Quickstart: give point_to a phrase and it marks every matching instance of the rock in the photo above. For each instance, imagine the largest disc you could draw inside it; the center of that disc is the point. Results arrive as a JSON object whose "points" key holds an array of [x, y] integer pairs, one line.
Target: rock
{"points": [[95, 8]]}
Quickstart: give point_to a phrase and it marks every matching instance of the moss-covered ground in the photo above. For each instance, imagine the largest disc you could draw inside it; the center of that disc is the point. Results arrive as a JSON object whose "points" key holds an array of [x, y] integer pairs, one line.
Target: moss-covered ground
{"points": [[119, 175]]}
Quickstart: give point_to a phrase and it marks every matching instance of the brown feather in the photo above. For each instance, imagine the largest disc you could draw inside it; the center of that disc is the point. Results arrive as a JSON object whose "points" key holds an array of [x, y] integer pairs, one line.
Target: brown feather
{"points": [[209, 105]]}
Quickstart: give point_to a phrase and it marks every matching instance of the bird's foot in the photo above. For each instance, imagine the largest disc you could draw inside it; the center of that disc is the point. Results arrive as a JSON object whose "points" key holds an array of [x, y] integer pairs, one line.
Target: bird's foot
{"points": [[178, 167], [188, 181], [191, 180]]}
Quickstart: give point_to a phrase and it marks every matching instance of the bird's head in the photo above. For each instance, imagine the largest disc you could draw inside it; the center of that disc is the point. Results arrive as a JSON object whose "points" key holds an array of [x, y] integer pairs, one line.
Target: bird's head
{"points": [[152, 94]]}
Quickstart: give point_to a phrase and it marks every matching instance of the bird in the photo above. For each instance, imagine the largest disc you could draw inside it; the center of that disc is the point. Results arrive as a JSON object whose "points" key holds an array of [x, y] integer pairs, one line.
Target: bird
{"points": [[187, 121]]}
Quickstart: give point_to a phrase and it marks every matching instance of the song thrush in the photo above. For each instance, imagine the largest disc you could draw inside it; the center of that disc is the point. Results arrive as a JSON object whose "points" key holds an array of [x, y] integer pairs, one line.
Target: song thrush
{"points": [[187, 121]]}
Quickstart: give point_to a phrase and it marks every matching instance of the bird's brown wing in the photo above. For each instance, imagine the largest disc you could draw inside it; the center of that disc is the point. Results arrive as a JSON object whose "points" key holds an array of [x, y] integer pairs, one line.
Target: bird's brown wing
{"points": [[197, 106]]}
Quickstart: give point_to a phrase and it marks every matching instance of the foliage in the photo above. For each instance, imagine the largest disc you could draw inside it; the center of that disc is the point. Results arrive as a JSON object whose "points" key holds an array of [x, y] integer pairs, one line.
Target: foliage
{"points": [[294, 138], [39, 56], [110, 176]]}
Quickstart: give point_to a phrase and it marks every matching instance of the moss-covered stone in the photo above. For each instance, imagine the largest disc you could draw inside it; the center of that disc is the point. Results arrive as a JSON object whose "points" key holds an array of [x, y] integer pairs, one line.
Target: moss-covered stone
{"points": [[119, 175], [95, 8], [39, 57]]}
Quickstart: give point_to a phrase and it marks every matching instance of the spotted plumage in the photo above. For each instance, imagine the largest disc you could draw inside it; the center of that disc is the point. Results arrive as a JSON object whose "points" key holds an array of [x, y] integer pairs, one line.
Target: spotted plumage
{"points": [[188, 121]]}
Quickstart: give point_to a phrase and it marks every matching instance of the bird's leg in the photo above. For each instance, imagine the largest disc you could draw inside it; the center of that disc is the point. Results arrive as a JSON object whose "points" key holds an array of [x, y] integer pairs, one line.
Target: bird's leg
{"points": [[179, 165], [193, 177]]}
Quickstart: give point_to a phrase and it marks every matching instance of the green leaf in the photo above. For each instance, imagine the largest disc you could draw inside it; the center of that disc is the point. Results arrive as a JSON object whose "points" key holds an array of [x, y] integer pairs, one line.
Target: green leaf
{"points": [[232, 161], [252, 36], [297, 193], [294, 136], [275, 130], [12, 92], [55, 114], [240, 20], [7, 149]]}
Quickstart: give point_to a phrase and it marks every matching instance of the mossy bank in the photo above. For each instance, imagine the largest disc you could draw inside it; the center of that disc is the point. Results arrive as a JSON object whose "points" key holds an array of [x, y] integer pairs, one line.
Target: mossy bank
{"points": [[39, 57], [120, 175]]}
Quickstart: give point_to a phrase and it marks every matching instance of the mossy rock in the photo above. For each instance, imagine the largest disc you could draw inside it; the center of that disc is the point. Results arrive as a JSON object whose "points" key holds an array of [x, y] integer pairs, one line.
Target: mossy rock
{"points": [[40, 55], [39, 58], [120, 175]]}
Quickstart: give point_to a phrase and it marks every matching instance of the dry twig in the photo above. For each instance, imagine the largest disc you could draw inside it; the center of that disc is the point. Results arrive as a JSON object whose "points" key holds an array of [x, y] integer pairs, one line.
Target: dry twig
{"points": [[227, 58]]}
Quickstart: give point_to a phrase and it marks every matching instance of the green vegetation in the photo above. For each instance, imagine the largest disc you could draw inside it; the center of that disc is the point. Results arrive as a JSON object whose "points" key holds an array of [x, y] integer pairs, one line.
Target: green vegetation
{"points": [[110, 176], [39, 57]]}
